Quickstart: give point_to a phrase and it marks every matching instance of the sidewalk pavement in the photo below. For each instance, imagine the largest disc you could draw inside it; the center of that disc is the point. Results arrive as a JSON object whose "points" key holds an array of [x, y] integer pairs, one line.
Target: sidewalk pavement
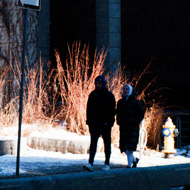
{"points": [[39, 163]]}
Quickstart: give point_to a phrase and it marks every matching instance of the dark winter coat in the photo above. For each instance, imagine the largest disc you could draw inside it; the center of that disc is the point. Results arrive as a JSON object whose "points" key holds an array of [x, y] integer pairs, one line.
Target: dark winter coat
{"points": [[129, 115], [100, 109]]}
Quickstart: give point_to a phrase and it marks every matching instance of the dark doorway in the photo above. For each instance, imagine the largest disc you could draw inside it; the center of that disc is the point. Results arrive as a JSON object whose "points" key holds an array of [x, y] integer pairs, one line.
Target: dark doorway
{"points": [[71, 21]]}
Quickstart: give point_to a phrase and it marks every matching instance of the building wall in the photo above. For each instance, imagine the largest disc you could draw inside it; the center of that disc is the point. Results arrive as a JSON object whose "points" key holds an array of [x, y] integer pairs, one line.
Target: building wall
{"points": [[108, 31], [44, 31], [11, 42]]}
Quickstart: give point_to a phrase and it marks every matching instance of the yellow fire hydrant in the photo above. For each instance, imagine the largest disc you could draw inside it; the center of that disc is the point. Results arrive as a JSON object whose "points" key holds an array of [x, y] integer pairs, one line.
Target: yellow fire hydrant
{"points": [[169, 132]]}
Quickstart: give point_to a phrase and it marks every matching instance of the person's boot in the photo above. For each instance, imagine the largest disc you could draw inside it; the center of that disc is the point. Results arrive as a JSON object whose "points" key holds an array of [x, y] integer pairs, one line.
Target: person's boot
{"points": [[135, 163]]}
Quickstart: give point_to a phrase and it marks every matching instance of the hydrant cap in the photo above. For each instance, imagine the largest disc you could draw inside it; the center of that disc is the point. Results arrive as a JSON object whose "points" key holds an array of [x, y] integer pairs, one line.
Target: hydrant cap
{"points": [[168, 119], [169, 123]]}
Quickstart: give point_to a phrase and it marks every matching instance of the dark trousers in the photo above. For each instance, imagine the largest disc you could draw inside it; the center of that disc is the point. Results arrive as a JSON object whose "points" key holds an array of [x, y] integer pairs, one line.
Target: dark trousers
{"points": [[106, 135]]}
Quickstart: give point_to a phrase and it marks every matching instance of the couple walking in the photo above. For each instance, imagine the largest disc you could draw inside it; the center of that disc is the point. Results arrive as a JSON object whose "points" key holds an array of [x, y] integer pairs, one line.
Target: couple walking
{"points": [[101, 116]]}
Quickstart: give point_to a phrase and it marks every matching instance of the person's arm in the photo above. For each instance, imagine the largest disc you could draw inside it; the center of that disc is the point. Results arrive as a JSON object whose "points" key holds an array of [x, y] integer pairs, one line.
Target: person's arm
{"points": [[118, 113], [88, 111]]}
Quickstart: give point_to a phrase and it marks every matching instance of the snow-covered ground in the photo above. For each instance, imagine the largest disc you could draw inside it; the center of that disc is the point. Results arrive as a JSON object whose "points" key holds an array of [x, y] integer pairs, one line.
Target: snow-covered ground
{"points": [[34, 160]]}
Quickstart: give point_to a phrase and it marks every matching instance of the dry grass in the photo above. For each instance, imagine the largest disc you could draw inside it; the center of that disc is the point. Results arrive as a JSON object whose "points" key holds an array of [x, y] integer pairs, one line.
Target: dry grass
{"points": [[153, 124], [3, 110], [73, 84], [76, 83], [36, 104], [36, 101]]}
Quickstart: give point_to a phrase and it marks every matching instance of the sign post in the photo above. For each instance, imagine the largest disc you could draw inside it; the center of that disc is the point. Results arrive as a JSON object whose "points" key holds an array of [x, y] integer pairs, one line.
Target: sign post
{"points": [[26, 4]]}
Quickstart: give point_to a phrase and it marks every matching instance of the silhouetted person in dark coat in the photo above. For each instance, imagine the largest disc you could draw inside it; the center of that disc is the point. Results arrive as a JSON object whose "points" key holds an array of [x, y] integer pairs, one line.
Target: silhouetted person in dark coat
{"points": [[100, 119], [129, 115]]}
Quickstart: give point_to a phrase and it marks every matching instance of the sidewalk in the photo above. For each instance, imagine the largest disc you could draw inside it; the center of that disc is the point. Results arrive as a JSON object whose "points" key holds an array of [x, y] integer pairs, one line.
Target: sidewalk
{"points": [[37, 162], [42, 170]]}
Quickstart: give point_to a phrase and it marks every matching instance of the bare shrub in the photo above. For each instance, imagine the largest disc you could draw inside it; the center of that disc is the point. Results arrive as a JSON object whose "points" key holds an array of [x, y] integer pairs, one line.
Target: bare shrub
{"points": [[35, 101], [75, 84], [153, 124], [77, 81], [36, 104], [2, 78], [3, 110]]}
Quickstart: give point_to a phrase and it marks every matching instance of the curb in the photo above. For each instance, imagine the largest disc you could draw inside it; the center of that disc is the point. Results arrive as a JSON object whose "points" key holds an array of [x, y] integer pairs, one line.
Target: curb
{"points": [[150, 178]]}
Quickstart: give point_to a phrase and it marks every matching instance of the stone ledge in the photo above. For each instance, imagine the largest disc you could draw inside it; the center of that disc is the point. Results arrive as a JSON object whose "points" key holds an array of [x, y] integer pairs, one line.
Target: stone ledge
{"points": [[79, 145], [8, 146]]}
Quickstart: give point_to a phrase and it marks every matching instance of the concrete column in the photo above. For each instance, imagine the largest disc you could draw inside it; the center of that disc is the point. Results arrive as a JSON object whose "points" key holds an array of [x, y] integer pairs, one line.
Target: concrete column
{"points": [[108, 31], [44, 30]]}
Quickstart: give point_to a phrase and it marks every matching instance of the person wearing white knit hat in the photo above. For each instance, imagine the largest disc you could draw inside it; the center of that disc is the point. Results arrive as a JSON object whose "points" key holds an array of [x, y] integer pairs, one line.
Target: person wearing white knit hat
{"points": [[129, 115]]}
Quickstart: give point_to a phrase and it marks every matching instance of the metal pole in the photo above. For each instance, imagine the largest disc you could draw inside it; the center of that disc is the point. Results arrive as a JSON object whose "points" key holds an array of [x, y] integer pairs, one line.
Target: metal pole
{"points": [[21, 90]]}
